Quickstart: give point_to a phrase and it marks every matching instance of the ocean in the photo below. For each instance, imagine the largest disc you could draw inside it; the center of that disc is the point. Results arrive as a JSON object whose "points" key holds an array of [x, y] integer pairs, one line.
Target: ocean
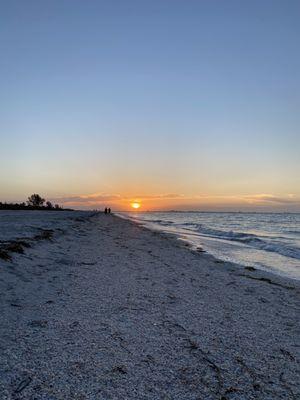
{"points": [[269, 241]]}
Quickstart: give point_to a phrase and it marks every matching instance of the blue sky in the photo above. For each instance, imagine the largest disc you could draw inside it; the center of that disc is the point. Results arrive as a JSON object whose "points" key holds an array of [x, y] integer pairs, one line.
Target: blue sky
{"points": [[198, 99]]}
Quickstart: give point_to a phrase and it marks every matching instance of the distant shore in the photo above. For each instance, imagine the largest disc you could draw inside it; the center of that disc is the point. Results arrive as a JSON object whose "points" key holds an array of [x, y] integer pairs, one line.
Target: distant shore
{"points": [[107, 309], [34, 202], [15, 207]]}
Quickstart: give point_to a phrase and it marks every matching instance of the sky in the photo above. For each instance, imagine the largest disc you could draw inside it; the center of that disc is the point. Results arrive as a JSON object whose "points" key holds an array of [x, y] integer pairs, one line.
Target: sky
{"points": [[175, 104]]}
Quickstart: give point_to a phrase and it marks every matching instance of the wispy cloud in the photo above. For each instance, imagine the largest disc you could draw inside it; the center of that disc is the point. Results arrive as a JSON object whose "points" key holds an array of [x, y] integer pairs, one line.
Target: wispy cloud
{"points": [[89, 198], [168, 199], [103, 197], [269, 198], [155, 196]]}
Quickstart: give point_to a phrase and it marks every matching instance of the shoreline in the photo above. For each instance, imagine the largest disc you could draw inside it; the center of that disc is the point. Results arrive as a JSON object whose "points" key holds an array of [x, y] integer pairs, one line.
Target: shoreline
{"points": [[197, 250], [268, 257], [111, 309]]}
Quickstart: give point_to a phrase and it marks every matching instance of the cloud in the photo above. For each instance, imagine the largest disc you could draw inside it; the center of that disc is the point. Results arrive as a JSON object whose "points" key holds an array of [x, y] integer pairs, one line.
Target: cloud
{"points": [[91, 198], [156, 196], [269, 198], [166, 200], [95, 198]]}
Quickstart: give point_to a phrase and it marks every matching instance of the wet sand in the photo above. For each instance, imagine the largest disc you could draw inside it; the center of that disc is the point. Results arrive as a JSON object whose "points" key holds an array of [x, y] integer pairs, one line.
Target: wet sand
{"points": [[111, 310]]}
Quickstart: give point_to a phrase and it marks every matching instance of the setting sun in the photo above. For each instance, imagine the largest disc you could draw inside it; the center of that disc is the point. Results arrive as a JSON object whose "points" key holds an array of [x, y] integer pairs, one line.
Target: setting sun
{"points": [[135, 205]]}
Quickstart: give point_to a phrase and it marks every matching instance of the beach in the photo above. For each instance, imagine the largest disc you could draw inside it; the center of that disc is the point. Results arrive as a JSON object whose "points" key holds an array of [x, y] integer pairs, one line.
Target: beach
{"points": [[107, 309], [266, 241]]}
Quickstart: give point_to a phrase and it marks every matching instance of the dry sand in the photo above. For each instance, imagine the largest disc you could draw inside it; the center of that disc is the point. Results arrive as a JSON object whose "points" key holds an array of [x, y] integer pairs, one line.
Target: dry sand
{"points": [[110, 310]]}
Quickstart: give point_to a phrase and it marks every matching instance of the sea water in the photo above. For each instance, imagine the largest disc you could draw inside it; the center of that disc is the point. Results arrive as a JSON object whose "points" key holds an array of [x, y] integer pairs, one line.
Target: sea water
{"points": [[269, 241]]}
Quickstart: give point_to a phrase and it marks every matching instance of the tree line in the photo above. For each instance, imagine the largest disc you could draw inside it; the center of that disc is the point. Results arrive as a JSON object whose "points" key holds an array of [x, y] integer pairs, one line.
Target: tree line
{"points": [[34, 202]]}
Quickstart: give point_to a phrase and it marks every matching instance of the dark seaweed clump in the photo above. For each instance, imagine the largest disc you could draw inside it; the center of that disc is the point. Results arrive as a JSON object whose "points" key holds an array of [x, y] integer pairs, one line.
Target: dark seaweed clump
{"points": [[7, 248]]}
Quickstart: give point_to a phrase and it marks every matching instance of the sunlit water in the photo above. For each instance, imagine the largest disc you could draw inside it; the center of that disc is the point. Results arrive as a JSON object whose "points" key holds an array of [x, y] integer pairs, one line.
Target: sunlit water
{"points": [[267, 241]]}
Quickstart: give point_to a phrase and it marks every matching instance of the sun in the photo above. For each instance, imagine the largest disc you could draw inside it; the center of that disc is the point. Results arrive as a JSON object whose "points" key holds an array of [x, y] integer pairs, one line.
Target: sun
{"points": [[135, 205]]}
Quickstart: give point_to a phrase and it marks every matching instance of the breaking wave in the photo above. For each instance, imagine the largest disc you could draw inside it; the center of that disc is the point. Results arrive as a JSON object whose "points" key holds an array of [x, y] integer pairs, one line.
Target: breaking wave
{"points": [[266, 243]]}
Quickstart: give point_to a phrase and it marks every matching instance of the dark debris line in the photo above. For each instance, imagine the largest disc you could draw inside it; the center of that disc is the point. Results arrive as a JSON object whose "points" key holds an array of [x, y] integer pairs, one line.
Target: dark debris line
{"points": [[7, 248]]}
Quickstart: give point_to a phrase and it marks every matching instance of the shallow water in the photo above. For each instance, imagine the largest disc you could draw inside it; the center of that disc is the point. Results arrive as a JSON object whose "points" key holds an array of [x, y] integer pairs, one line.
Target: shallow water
{"points": [[269, 241]]}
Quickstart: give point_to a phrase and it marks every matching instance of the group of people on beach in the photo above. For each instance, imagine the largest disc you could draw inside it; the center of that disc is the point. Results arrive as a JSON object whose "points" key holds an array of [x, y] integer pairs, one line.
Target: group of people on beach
{"points": [[107, 210]]}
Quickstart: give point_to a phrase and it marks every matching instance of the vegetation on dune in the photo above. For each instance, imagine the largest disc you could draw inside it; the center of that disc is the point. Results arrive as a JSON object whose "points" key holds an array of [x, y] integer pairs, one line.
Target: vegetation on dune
{"points": [[34, 202]]}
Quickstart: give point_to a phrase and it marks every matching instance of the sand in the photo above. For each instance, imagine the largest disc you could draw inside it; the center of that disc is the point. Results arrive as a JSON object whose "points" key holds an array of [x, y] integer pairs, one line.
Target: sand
{"points": [[111, 310]]}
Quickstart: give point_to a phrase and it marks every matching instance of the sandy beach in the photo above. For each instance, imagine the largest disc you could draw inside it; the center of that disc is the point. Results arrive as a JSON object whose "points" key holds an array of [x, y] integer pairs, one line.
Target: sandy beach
{"points": [[110, 310]]}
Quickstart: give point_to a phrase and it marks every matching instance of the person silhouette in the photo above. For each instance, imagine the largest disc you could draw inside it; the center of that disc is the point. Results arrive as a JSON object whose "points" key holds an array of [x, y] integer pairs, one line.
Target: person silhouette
{"points": [[109, 211], [105, 211]]}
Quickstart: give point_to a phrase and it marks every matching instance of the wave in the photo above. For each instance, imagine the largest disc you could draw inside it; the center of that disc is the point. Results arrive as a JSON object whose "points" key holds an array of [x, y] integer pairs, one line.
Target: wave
{"points": [[157, 221], [261, 243], [294, 232]]}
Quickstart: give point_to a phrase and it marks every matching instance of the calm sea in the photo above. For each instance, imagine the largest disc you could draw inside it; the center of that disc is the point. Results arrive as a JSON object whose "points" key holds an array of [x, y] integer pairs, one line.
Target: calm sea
{"points": [[269, 241]]}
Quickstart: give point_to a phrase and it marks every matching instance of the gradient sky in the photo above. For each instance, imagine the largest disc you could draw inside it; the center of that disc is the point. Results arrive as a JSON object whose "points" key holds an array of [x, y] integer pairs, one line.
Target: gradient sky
{"points": [[179, 104]]}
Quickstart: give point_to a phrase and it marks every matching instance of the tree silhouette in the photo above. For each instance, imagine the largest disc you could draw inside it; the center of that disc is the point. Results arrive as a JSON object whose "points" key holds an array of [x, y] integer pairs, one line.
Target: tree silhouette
{"points": [[35, 200], [49, 204]]}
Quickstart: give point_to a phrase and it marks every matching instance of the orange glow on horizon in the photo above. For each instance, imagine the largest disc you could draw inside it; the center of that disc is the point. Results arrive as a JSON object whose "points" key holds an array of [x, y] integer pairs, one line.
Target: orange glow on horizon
{"points": [[135, 205]]}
